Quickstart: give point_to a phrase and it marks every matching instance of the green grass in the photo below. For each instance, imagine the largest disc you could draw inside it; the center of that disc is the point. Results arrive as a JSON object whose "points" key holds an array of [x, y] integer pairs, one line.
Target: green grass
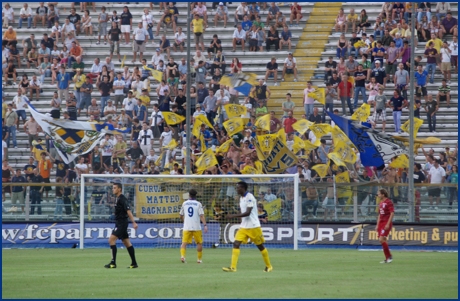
{"points": [[318, 273]]}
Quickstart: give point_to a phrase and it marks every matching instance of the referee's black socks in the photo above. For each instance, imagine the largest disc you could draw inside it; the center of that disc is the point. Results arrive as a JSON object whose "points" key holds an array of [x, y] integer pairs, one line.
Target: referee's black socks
{"points": [[114, 253], [131, 254]]}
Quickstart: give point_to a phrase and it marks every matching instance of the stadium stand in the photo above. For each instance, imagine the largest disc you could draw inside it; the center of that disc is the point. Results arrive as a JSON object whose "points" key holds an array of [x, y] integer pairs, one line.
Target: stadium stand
{"points": [[313, 40]]}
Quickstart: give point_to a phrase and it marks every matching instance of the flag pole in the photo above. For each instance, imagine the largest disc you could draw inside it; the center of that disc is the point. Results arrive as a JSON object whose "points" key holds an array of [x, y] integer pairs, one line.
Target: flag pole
{"points": [[188, 167], [411, 194]]}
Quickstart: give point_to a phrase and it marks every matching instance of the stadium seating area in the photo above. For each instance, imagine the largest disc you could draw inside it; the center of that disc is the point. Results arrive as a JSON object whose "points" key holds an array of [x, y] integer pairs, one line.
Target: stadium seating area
{"points": [[313, 41]]}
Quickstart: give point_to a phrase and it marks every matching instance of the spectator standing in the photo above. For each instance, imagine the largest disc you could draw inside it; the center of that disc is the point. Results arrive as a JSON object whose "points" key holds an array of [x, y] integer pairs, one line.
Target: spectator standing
{"points": [[420, 84], [45, 166], [344, 94], [11, 118], [31, 128], [360, 85], [431, 53], [453, 46], [308, 101], [437, 176], [126, 23], [398, 103], [198, 29], [105, 88], [446, 54], [431, 107], [401, 80], [140, 38], [36, 192], [85, 90], [331, 94], [288, 106]]}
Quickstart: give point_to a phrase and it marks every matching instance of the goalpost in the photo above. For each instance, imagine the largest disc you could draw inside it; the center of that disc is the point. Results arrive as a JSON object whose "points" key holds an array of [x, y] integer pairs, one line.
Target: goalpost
{"points": [[156, 200]]}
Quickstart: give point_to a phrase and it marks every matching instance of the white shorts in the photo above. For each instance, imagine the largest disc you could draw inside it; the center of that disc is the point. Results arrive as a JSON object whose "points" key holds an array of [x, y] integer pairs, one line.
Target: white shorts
{"points": [[125, 29]]}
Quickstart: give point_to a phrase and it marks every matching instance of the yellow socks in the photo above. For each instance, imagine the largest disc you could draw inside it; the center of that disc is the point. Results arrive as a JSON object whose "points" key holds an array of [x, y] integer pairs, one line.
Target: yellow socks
{"points": [[200, 255], [266, 258], [182, 252], [235, 255]]}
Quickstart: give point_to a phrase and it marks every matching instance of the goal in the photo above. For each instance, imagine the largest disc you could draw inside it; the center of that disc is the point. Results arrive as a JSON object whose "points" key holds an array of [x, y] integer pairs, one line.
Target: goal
{"points": [[156, 201]]}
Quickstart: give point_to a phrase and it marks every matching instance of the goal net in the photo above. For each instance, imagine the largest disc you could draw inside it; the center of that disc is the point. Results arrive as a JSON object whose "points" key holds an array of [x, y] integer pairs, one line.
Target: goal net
{"points": [[156, 202]]}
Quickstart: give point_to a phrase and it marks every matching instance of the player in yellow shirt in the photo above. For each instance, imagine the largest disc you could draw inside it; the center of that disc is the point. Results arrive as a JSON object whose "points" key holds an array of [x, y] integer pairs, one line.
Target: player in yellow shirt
{"points": [[353, 19], [191, 213], [249, 229]]}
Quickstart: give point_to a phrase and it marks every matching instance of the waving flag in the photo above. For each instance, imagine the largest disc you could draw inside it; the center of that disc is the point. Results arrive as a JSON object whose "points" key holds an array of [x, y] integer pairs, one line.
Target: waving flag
{"points": [[241, 82], [336, 158], [73, 138], [299, 144], [224, 147], [266, 143], [234, 110], [206, 160], [319, 95], [321, 169], [362, 113], [158, 75], [302, 125], [280, 159], [375, 148], [263, 122], [172, 118], [400, 162], [345, 151], [417, 124], [204, 120], [234, 125], [320, 129]]}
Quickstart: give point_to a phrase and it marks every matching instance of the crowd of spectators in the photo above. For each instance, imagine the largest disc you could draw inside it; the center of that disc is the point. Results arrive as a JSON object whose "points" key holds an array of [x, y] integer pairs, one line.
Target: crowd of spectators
{"points": [[126, 96]]}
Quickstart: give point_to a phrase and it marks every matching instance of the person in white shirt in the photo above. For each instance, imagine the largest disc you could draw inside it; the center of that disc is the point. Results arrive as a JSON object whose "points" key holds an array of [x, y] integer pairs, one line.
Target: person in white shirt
{"points": [[290, 67], [446, 55], [221, 14], [179, 39], [7, 15], [81, 167], [241, 11], [35, 86], [198, 111], [152, 157], [145, 138], [157, 57], [4, 150], [25, 14], [129, 104], [110, 109], [67, 28], [165, 138], [239, 36], [222, 100], [118, 86], [156, 121], [148, 22], [436, 175], [106, 146], [191, 213], [269, 196], [56, 31], [140, 38], [453, 46], [96, 70], [249, 228]]}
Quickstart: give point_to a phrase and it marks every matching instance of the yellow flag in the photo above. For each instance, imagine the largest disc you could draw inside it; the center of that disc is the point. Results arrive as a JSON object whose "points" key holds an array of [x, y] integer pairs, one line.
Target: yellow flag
{"points": [[311, 146], [158, 75], [321, 169], [196, 129], [319, 95], [234, 110], [416, 147], [336, 158], [202, 143], [263, 122], [282, 135], [160, 158], [273, 210], [267, 142], [260, 154], [249, 170], [343, 177], [320, 129], [223, 148], [298, 144], [259, 167], [400, 162], [172, 118], [206, 160], [362, 113], [204, 120], [123, 62], [234, 125], [338, 135], [302, 125], [171, 145], [345, 152], [417, 124]]}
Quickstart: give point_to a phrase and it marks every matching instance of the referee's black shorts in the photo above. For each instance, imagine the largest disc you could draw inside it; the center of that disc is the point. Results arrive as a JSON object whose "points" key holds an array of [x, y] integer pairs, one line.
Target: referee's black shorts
{"points": [[121, 230]]}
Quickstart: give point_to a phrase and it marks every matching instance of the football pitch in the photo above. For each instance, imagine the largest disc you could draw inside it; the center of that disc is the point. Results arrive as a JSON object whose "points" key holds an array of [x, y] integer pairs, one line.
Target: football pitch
{"points": [[317, 273]]}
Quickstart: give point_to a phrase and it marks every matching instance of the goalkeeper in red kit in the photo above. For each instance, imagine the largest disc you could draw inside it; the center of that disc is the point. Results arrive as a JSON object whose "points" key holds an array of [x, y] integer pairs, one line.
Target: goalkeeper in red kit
{"points": [[385, 222]]}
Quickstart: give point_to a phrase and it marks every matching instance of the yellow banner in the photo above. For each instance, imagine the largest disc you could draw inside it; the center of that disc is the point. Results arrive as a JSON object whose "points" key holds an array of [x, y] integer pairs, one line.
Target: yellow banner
{"points": [[263, 122], [158, 75], [321, 169], [206, 160], [280, 159], [336, 158], [302, 125], [282, 135], [338, 135], [266, 143], [273, 210], [234, 110], [153, 203], [345, 152], [311, 146], [320, 129], [234, 125], [204, 120], [319, 95], [298, 144], [171, 145], [172, 118], [362, 113], [400, 162], [224, 147], [417, 124]]}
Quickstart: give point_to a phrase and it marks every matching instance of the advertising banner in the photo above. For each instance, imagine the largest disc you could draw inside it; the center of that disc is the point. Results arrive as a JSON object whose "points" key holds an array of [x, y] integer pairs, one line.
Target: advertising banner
{"points": [[19, 235], [153, 203]]}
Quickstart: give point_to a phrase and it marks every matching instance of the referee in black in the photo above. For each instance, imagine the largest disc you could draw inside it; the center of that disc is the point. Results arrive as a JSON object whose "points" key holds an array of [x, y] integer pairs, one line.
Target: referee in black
{"points": [[122, 212]]}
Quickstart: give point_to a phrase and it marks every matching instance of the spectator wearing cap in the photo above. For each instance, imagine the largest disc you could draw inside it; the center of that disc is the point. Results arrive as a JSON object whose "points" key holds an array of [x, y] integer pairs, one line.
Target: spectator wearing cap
{"points": [[63, 82], [286, 37], [156, 58], [105, 88], [379, 73], [198, 112], [290, 67], [221, 14], [140, 38], [197, 25], [444, 93], [272, 70]]}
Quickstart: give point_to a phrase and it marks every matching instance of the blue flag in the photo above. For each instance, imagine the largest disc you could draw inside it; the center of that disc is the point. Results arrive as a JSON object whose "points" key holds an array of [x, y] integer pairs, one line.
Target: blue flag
{"points": [[375, 148]]}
